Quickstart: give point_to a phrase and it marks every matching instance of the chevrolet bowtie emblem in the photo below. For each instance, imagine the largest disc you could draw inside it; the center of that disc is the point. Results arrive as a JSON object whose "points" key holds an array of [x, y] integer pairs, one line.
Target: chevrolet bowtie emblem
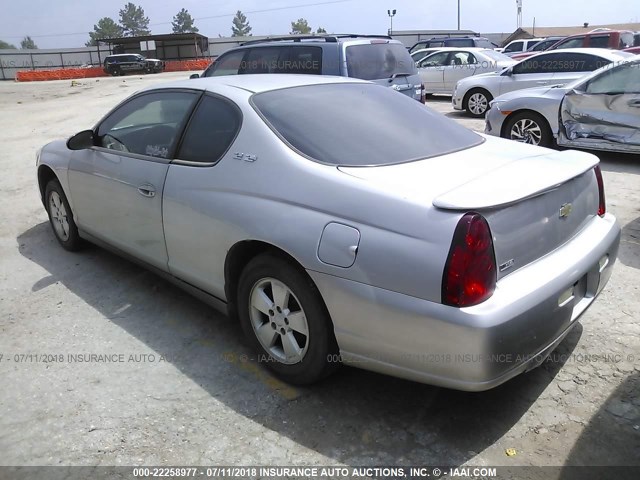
{"points": [[565, 210]]}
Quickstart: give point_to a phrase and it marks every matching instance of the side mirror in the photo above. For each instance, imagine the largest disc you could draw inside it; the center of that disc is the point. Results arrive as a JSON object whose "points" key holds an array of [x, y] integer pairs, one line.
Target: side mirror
{"points": [[81, 141], [194, 75]]}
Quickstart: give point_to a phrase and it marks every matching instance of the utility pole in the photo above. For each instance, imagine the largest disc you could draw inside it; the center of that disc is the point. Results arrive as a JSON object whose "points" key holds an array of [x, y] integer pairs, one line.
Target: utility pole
{"points": [[458, 14], [519, 21], [391, 14]]}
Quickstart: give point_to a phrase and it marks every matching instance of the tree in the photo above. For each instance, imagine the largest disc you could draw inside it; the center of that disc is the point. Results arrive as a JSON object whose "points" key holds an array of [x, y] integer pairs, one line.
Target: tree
{"points": [[133, 21], [183, 23], [240, 27], [321, 30], [105, 28], [301, 27], [27, 42], [5, 45]]}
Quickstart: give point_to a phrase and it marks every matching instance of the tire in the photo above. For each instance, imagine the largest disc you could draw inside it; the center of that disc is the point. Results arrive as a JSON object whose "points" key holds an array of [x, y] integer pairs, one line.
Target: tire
{"points": [[115, 72], [311, 349], [528, 127], [476, 102], [61, 217]]}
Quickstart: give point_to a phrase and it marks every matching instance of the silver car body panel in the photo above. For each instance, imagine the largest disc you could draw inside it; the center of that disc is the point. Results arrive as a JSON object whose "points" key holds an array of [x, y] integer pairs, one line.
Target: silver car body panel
{"points": [[386, 307]]}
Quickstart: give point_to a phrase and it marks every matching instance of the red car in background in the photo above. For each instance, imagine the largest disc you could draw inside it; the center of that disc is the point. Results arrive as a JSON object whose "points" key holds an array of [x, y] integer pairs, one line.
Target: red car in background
{"points": [[599, 38]]}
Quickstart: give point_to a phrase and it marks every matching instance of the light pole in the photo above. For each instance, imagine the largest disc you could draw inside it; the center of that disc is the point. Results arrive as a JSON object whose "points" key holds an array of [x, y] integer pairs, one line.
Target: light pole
{"points": [[391, 13], [458, 14]]}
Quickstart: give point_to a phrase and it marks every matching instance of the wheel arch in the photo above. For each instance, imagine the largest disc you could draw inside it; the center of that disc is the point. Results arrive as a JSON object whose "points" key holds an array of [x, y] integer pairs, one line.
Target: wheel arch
{"points": [[45, 175], [507, 120]]}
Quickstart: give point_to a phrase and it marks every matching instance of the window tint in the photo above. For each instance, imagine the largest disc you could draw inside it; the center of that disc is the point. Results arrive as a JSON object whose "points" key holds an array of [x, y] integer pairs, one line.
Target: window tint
{"points": [[461, 58], [621, 80], [560, 62], [484, 43], [265, 60], [599, 41], [305, 60], [436, 60], [540, 46], [228, 64], [460, 42], [514, 47], [360, 124], [148, 124], [572, 43], [211, 130], [373, 61]]}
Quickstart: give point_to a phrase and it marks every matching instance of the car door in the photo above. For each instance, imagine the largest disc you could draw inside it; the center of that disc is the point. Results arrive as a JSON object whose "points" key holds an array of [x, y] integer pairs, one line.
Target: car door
{"points": [[605, 112], [117, 185], [431, 70], [531, 72], [199, 202], [570, 66], [461, 64]]}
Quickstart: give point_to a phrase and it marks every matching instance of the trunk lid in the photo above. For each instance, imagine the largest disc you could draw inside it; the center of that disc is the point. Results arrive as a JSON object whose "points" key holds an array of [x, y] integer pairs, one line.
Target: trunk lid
{"points": [[534, 199]]}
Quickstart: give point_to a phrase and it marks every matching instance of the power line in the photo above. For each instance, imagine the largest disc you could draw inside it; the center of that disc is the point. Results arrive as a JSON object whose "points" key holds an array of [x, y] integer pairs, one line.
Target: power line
{"points": [[275, 9]]}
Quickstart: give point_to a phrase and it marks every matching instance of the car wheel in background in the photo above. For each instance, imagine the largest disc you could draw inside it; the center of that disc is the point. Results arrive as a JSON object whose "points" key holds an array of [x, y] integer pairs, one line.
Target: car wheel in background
{"points": [[61, 217], [528, 127], [476, 102], [286, 321], [115, 72]]}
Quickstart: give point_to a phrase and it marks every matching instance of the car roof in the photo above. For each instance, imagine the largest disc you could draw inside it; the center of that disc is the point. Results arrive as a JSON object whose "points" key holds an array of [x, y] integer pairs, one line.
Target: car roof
{"points": [[600, 52], [256, 83], [449, 49]]}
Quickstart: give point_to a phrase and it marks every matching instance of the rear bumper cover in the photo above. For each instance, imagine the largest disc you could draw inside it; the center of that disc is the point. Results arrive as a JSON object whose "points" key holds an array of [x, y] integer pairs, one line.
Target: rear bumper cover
{"points": [[480, 347]]}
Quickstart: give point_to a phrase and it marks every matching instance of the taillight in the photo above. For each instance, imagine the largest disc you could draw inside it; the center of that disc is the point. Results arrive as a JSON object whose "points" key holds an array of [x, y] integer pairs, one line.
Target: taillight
{"points": [[602, 206], [469, 275]]}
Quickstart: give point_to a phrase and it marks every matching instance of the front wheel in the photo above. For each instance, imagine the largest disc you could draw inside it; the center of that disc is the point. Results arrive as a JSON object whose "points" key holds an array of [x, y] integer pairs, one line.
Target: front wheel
{"points": [[61, 217], [286, 321], [476, 102], [529, 127]]}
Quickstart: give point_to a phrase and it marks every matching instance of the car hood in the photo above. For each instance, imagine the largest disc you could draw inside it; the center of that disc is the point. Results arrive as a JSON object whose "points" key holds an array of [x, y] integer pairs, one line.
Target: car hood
{"points": [[497, 173]]}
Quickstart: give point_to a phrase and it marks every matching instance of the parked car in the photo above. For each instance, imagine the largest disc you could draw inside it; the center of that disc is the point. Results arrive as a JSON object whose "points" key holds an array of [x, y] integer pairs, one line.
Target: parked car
{"points": [[541, 46], [613, 39], [440, 71], [375, 58], [519, 46], [600, 112], [123, 63], [634, 50], [552, 67], [339, 221], [420, 54], [466, 41]]}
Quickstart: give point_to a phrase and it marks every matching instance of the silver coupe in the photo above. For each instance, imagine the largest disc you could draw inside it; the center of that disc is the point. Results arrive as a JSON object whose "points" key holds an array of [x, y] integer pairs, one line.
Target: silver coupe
{"points": [[340, 222]]}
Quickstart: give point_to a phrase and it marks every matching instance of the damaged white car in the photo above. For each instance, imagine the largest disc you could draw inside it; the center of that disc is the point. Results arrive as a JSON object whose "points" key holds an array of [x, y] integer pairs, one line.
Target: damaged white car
{"points": [[598, 112]]}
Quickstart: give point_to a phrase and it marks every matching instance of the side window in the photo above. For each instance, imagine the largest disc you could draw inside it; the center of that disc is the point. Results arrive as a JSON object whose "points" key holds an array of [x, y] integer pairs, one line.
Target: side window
{"points": [[618, 81], [599, 41], [514, 47], [435, 60], [211, 131], [576, 42], [461, 58], [626, 40], [529, 66], [148, 124], [460, 42], [305, 60], [483, 43], [228, 64], [265, 60]]}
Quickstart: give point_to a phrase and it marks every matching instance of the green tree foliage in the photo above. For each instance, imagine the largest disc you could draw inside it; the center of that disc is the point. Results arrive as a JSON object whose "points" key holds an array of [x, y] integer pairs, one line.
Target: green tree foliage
{"points": [[105, 28], [300, 27], [183, 23], [321, 30], [5, 45], [27, 42], [240, 27], [133, 21]]}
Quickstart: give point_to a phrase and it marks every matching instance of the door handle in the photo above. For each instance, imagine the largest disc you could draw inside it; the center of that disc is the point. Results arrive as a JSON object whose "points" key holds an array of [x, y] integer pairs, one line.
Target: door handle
{"points": [[542, 82], [147, 190], [634, 103]]}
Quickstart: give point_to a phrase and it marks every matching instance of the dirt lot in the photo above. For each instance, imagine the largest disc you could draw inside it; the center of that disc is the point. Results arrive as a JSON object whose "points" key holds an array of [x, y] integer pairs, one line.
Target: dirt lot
{"points": [[184, 390]]}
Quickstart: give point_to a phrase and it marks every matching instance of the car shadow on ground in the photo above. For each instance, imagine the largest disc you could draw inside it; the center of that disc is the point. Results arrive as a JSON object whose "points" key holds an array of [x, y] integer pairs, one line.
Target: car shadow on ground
{"points": [[613, 428], [629, 253], [354, 417]]}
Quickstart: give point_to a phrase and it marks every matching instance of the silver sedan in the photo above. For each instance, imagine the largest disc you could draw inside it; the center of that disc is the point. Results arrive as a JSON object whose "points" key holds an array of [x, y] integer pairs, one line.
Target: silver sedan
{"points": [[600, 111], [340, 222]]}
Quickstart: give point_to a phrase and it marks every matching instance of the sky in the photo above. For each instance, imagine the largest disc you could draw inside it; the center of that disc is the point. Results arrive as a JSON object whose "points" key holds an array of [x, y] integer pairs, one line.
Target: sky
{"points": [[66, 23]]}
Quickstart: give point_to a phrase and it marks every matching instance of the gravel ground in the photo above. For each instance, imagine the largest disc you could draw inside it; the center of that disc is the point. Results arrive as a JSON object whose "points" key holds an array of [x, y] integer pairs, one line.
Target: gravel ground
{"points": [[181, 387]]}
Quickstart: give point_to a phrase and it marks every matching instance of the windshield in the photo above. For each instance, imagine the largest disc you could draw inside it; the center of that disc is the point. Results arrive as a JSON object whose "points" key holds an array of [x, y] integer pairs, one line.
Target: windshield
{"points": [[373, 61], [497, 56], [359, 124], [583, 80]]}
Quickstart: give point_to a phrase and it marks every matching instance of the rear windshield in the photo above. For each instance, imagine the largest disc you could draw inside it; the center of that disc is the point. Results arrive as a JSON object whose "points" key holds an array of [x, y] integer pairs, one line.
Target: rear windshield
{"points": [[357, 124], [373, 61]]}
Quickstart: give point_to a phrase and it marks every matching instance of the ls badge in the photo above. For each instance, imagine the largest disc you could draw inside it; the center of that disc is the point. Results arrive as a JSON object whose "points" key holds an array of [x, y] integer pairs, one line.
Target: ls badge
{"points": [[565, 210]]}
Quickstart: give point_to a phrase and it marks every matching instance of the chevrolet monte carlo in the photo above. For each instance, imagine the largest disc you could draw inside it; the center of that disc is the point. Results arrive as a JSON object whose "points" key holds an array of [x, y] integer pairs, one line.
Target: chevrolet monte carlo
{"points": [[339, 221]]}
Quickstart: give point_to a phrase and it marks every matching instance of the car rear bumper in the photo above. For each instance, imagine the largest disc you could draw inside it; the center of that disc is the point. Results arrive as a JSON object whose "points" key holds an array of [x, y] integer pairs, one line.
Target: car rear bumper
{"points": [[480, 347]]}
